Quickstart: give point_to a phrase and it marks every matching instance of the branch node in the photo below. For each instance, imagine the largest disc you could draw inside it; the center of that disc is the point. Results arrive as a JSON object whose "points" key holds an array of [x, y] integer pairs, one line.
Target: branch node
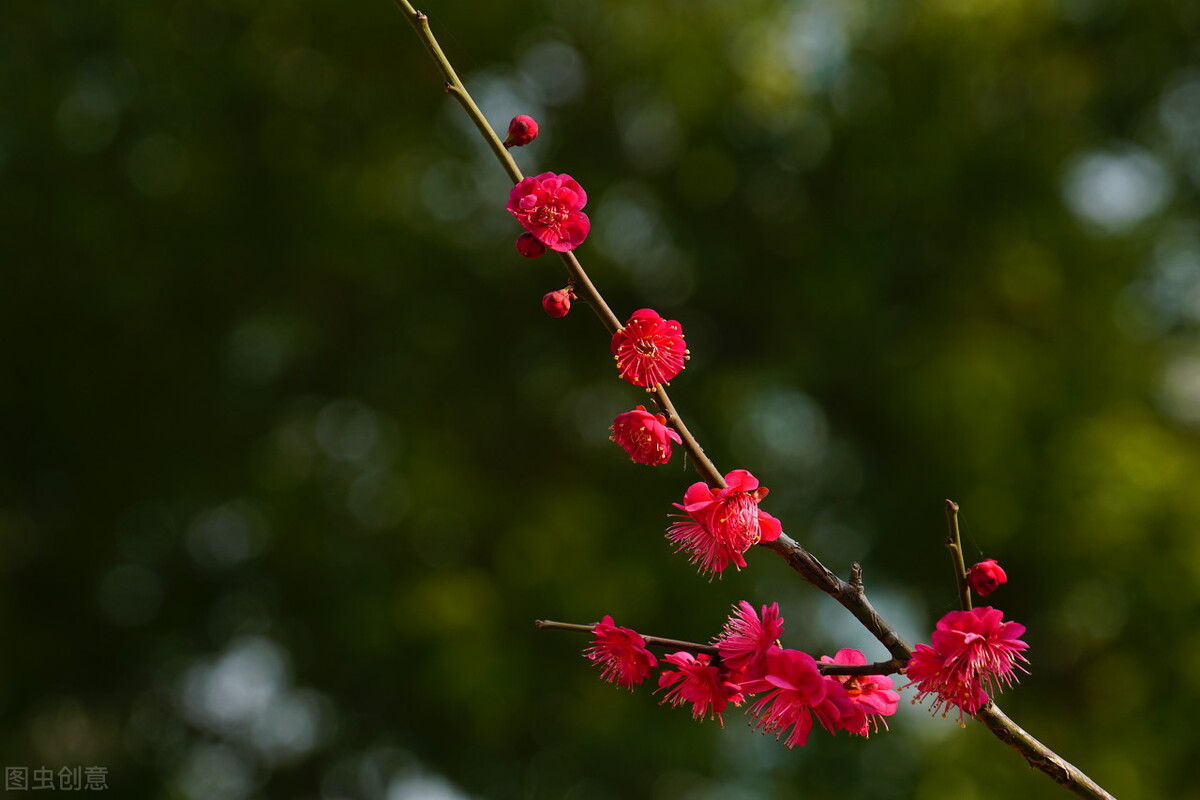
{"points": [[856, 577]]}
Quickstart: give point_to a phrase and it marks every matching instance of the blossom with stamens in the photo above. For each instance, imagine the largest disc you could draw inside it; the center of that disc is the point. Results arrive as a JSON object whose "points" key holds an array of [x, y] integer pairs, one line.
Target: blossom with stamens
{"points": [[794, 689], [644, 436], [700, 683], [746, 638], [649, 350], [621, 654], [548, 206], [718, 525], [971, 655], [871, 695]]}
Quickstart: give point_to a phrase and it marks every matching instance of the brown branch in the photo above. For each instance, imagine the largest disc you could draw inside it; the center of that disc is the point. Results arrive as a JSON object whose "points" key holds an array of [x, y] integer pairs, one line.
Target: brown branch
{"points": [[651, 641], [850, 594], [879, 668], [1039, 756]]}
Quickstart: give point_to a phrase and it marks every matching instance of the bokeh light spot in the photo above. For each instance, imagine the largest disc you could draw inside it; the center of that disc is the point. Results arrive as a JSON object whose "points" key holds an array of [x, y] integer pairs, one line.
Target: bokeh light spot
{"points": [[1115, 190]]}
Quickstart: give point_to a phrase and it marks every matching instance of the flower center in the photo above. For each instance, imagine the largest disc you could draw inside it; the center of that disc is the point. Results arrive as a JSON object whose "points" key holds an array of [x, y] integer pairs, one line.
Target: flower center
{"points": [[551, 215], [740, 521], [642, 438]]}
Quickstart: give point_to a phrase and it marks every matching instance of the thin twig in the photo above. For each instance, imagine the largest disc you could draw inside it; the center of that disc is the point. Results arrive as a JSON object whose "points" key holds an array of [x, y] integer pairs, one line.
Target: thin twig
{"points": [[881, 668], [584, 287], [651, 641]]}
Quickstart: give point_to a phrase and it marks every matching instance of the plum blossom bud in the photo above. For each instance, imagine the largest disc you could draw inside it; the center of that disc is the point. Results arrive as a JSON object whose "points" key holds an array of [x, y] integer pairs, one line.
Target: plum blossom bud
{"points": [[529, 246], [521, 131], [557, 304], [985, 577]]}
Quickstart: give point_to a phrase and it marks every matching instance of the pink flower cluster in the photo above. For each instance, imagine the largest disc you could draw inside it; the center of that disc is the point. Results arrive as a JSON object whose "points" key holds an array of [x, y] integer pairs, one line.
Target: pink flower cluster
{"points": [[790, 688], [548, 206], [972, 654]]}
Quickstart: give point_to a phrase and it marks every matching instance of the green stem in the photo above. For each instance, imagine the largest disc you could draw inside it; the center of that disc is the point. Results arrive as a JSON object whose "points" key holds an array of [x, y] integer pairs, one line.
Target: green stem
{"points": [[456, 89], [954, 545], [584, 288]]}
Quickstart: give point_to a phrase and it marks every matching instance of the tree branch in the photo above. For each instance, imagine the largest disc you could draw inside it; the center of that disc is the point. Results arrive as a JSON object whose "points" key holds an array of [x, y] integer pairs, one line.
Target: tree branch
{"points": [[850, 594], [880, 668], [1039, 756]]}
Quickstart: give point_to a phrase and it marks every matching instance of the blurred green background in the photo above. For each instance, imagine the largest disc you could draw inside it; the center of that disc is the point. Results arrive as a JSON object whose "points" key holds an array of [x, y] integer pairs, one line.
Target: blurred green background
{"points": [[292, 458]]}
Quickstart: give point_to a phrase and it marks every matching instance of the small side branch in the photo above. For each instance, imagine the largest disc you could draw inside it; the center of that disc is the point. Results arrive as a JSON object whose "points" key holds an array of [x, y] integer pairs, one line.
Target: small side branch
{"points": [[878, 668], [954, 545]]}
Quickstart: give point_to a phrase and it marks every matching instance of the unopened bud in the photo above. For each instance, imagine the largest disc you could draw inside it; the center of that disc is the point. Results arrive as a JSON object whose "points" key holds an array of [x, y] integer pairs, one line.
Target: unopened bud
{"points": [[521, 131], [985, 577], [529, 246], [557, 304]]}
